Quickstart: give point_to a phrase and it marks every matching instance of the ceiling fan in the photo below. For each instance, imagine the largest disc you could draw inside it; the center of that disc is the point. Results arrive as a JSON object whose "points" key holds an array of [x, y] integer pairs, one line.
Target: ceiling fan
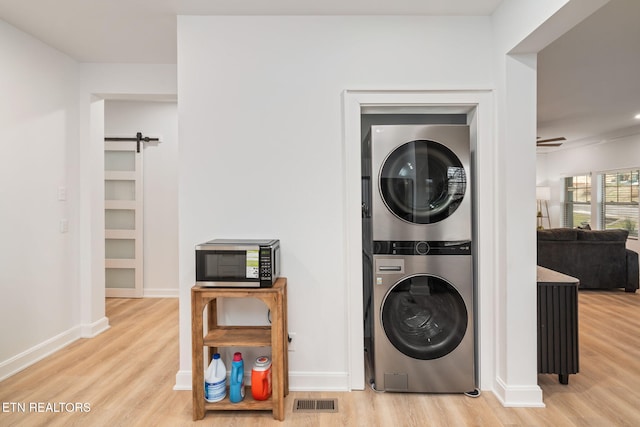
{"points": [[550, 142]]}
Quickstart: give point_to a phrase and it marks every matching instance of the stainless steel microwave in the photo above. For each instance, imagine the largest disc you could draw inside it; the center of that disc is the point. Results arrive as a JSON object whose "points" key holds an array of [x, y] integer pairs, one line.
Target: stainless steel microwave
{"points": [[238, 263]]}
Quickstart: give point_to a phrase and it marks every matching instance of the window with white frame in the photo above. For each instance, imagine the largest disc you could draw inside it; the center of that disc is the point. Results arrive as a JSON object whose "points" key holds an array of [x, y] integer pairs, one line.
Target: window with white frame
{"points": [[619, 207], [577, 201]]}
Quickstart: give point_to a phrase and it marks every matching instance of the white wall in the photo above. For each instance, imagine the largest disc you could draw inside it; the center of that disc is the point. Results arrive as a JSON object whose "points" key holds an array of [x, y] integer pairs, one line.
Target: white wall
{"points": [[522, 28], [261, 147], [39, 309], [259, 102], [515, 377], [160, 177]]}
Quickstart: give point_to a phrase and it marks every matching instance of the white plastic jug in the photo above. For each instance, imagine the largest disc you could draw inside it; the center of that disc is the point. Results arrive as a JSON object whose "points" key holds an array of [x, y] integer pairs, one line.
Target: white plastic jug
{"points": [[215, 380]]}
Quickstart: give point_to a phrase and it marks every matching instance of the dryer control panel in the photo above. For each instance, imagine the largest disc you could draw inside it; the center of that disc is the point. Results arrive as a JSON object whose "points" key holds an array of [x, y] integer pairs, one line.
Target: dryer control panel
{"points": [[422, 247]]}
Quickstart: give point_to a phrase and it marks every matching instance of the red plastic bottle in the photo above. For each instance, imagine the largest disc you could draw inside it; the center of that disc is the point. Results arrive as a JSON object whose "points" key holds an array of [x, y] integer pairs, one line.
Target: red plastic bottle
{"points": [[261, 378]]}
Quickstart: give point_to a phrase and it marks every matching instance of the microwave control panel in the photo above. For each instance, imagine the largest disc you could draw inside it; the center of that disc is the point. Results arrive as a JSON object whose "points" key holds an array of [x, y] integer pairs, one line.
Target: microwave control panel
{"points": [[265, 264]]}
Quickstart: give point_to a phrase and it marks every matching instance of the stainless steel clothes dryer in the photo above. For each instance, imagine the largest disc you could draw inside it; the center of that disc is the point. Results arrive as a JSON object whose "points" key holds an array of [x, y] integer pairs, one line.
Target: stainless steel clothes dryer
{"points": [[421, 182], [423, 329]]}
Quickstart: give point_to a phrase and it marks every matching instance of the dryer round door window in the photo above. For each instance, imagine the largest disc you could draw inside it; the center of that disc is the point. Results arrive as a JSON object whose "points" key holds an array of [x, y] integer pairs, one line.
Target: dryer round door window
{"points": [[422, 182], [424, 317]]}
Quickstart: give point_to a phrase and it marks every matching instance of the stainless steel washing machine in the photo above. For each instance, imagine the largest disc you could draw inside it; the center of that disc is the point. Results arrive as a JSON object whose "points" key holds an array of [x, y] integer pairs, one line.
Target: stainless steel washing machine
{"points": [[420, 182], [423, 338]]}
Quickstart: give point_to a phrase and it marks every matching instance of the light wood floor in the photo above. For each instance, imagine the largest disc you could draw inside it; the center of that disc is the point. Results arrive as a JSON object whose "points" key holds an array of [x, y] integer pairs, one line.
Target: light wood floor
{"points": [[126, 375]]}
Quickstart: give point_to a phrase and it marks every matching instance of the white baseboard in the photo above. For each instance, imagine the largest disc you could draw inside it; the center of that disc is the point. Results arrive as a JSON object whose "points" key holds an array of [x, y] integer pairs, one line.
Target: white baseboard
{"points": [[518, 396], [318, 381], [38, 352], [298, 381], [183, 380], [160, 293], [90, 330]]}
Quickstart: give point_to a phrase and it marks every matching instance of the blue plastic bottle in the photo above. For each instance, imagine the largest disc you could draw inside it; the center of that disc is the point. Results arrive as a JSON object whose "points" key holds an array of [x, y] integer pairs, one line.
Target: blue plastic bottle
{"points": [[236, 379]]}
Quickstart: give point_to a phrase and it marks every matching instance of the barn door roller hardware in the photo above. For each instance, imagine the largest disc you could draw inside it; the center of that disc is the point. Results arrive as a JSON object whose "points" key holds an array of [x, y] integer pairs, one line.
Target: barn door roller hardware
{"points": [[139, 138]]}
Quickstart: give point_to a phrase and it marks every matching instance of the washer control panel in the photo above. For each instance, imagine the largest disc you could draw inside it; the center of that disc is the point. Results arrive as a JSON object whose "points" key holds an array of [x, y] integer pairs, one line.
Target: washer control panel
{"points": [[422, 247]]}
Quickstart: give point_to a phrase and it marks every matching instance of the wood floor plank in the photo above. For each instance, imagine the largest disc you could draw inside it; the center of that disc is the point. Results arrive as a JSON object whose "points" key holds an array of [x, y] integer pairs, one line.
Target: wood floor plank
{"points": [[126, 375]]}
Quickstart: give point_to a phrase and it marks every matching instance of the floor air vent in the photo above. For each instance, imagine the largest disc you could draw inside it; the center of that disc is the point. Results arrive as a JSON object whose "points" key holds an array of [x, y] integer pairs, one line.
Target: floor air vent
{"points": [[315, 405]]}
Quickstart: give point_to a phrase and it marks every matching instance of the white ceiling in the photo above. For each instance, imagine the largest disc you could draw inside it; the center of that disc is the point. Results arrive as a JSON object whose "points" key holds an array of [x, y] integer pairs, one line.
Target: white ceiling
{"points": [[144, 31], [589, 79]]}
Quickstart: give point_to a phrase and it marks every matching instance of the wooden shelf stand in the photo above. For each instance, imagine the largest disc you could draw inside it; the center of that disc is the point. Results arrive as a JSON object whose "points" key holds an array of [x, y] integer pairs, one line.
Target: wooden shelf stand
{"points": [[214, 336]]}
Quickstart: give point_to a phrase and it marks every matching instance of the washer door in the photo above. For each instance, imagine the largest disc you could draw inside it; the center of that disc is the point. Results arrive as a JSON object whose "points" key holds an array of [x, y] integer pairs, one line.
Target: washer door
{"points": [[422, 182], [424, 317]]}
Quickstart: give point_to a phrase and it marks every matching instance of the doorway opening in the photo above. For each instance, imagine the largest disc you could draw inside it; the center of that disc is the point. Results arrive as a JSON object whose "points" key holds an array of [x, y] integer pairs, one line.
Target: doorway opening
{"points": [[477, 109], [141, 198]]}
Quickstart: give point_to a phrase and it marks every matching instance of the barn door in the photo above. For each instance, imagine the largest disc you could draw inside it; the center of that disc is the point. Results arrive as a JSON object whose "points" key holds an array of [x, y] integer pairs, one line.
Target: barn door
{"points": [[123, 219]]}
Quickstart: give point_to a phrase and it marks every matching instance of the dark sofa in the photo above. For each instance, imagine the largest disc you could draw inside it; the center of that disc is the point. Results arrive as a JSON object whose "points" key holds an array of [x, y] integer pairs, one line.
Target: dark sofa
{"points": [[598, 258]]}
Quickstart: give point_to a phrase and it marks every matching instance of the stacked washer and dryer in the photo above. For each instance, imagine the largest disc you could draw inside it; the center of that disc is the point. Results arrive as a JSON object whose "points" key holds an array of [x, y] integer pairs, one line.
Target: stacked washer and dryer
{"points": [[420, 297]]}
